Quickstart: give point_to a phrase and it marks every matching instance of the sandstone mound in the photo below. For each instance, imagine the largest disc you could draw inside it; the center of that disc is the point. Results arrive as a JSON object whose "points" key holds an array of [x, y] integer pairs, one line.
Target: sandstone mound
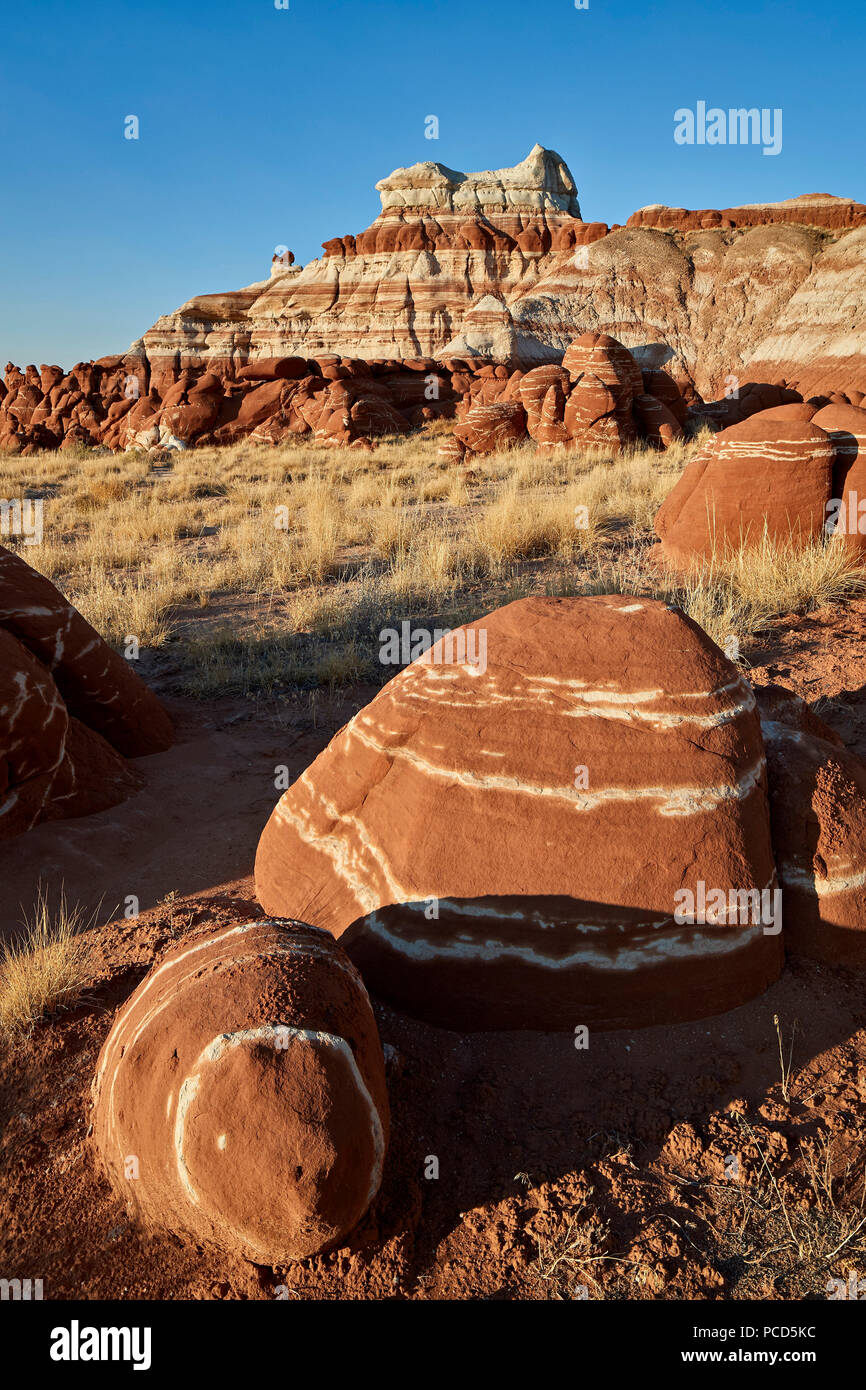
{"points": [[240, 1095], [763, 476], [818, 813], [846, 426], [71, 709], [498, 838], [487, 428]]}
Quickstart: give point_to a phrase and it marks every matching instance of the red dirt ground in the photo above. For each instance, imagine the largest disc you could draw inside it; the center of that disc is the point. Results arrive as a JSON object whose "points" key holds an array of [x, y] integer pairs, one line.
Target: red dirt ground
{"points": [[606, 1170]]}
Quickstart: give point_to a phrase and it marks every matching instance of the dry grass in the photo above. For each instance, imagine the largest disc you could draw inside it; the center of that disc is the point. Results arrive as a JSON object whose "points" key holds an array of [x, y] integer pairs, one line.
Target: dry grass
{"points": [[48, 967], [264, 569], [790, 1234]]}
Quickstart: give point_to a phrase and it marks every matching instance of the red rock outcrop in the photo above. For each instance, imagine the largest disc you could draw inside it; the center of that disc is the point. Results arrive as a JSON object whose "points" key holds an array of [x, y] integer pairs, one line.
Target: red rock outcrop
{"points": [[596, 398], [71, 709], [490, 427], [655, 421], [532, 388], [498, 839], [821, 210], [240, 1096], [51, 764], [846, 427], [818, 815], [762, 477]]}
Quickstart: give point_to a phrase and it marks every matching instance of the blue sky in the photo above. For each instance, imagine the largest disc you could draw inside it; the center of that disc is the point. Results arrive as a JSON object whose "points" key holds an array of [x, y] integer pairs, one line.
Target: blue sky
{"points": [[261, 127]]}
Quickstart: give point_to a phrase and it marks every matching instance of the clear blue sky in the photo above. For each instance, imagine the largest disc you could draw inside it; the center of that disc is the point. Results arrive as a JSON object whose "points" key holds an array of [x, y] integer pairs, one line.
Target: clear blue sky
{"points": [[261, 127]]}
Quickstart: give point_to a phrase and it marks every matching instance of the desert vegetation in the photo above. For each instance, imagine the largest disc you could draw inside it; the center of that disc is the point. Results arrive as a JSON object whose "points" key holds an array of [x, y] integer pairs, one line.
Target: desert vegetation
{"points": [[48, 966], [261, 569]]}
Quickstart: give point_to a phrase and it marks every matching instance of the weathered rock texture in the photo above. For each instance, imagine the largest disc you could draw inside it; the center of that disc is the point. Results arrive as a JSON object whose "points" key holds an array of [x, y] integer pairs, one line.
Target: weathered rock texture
{"points": [[71, 709], [443, 241], [846, 427], [821, 210], [240, 1096], [340, 401], [597, 397], [818, 815], [498, 843]]}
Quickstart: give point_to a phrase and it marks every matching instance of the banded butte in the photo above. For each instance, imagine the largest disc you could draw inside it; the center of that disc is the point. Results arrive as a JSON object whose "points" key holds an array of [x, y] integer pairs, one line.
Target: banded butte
{"points": [[240, 1096], [497, 840]]}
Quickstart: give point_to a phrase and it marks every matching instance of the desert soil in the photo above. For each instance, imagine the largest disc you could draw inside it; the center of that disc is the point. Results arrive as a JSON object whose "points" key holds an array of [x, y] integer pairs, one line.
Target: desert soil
{"points": [[670, 1162]]}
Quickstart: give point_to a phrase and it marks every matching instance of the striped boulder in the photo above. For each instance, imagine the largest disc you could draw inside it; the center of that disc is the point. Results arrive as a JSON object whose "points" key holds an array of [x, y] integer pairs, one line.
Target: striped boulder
{"points": [[763, 476], [499, 838], [240, 1095], [846, 427]]}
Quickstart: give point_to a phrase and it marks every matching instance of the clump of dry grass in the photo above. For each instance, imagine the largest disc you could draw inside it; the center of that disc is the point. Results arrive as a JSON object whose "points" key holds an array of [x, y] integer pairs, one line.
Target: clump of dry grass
{"points": [[740, 590], [303, 550], [48, 967]]}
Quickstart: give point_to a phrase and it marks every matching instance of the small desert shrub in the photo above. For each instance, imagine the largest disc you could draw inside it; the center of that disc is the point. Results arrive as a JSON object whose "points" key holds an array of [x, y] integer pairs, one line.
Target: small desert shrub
{"points": [[99, 494], [48, 967]]}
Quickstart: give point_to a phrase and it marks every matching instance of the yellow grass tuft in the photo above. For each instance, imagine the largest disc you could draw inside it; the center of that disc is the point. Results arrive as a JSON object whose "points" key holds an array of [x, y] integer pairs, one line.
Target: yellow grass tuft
{"points": [[48, 967]]}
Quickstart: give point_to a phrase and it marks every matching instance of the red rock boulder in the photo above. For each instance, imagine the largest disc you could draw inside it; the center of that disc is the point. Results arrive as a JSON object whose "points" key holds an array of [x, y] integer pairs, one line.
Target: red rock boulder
{"points": [[240, 1096], [487, 428], [51, 765], [604, 357], [655, 422], [846, 426], [760, 477], [501, 837], [605, 381], [657, 383], [594, 417], [97, 685], [818, 816], [532, 388]]}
